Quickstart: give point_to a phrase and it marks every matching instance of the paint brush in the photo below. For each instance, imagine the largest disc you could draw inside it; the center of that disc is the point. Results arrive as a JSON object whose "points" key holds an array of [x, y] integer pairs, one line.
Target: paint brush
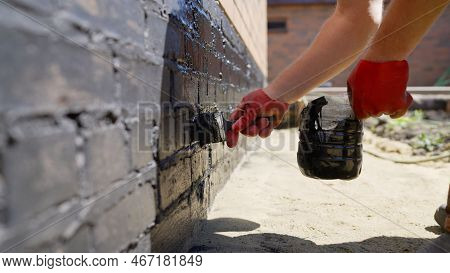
{"points": [[210, 127]]}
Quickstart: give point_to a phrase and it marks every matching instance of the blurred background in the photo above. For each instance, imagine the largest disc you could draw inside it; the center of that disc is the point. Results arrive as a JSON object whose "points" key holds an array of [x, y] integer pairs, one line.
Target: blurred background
{"points": [[293, 24]]}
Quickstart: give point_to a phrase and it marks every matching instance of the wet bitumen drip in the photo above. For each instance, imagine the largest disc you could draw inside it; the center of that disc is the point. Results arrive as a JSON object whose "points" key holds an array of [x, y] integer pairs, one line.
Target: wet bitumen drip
{"points": [[330, 145]]}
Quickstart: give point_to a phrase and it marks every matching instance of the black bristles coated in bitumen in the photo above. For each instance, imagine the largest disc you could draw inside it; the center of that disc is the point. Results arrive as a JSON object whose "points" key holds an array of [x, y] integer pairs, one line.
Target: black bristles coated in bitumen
{"points": [[210, 127]]}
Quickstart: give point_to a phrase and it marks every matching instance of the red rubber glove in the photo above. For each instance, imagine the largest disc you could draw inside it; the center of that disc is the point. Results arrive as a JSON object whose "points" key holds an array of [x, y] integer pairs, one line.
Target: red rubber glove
{"points": [[257, 114], [379, 88]]}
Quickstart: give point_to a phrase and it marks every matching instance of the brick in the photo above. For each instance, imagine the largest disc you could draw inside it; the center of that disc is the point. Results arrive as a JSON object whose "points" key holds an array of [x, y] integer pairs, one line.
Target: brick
{"points": [[49, 225], [197, 62], [188, 51], [173, 233], [199, 163], [140, 82], [176, 122], [235, 76], [106, 157], [123, 223], [145, 133], [183, 127], [167, 142], [222, 98], [202, 90], [191, 88], [121, 19], [217, 152], [177, 90], [57, 74], [236, 95], [176, 113], [142, 144], [166, 85], [203, 59], [199, 201], [207, 91], [205, 29], [217, 181], [214, 67], [174, 43], [156, 28], [226, 68], [228, 165], [40, 168], [174, 181], [118, 191], [218, 40]]}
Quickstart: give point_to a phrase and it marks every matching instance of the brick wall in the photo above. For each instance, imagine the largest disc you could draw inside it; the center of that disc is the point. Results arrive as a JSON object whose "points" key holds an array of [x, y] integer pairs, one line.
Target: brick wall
{"points": [[429, 61], [249, 19], [95, 103]]}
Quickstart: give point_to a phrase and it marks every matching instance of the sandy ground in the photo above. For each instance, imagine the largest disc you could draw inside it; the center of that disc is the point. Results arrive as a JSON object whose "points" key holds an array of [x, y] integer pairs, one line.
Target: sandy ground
{"points": [[269, 206]]}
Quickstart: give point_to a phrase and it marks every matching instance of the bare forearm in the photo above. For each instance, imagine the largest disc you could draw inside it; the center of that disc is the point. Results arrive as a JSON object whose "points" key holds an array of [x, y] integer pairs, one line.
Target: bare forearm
{"points": [[337, 45], [403, 26]]}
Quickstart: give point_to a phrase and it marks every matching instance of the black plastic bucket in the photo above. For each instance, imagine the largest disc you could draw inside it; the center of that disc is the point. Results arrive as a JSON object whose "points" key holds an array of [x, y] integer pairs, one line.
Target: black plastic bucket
{"points": [[330, 145]]}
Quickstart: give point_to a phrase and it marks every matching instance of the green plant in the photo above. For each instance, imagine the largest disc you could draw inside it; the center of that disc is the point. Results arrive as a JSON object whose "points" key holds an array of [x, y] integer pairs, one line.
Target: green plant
{"points": [[412, 117], [428, 141]]}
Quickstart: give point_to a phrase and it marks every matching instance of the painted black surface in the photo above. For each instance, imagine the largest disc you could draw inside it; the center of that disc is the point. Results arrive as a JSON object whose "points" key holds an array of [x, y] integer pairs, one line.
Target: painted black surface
{"points": [[330, 145], [207, 69]]}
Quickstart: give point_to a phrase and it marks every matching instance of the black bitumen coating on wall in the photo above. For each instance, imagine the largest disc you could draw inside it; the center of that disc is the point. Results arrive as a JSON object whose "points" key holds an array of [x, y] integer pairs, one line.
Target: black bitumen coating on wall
{"points": [[207, 68]]}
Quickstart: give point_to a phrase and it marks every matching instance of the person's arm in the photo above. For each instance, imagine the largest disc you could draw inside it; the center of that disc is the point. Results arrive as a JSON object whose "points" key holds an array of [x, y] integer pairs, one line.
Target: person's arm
{"points": [[378, 83], [337, 45], [341, 38], [403, 27]]}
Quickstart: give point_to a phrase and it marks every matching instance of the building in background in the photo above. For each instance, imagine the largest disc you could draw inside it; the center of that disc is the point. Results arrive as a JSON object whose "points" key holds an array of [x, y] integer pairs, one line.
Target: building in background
{"points": [[293, 24]]}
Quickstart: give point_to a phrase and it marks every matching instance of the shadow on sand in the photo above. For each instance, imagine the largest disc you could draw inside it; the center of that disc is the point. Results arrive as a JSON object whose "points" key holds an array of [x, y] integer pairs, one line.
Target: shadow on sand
{"points": [[210, 241]]}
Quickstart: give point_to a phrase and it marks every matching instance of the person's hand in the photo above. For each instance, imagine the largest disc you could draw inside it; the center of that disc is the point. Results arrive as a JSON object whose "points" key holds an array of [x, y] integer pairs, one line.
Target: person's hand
{"points": [[257, 114], [379, 88]]}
